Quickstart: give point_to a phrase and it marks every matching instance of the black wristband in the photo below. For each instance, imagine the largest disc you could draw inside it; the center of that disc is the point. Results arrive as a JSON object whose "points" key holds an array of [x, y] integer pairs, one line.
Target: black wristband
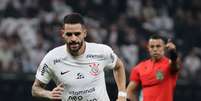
{"points": [[172, 54]]}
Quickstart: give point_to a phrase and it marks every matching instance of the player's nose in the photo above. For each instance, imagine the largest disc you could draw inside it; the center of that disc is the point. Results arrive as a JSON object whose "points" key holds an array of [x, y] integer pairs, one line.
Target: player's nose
{"points": [[73, 37]]}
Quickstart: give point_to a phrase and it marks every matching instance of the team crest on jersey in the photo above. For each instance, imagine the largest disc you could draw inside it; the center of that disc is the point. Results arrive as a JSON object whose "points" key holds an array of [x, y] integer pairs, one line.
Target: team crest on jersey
{"points": [[159, 75], [94, 69]]}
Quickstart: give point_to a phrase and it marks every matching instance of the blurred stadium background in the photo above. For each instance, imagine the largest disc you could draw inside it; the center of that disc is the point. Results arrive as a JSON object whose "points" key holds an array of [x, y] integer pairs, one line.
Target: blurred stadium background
{"points": [[29, 29]]}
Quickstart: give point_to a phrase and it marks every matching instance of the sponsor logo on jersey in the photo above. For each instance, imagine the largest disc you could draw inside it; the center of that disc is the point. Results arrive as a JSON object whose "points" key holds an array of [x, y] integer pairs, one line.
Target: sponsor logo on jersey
{"points": [[75, 98], [44, 69], [80, 76], [56, 61], [94, 69], [94, 56], [62, 73], [82, 92]]}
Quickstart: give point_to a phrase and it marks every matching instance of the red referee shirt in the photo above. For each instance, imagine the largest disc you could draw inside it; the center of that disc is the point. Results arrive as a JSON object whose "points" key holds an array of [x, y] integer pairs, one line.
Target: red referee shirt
{"points": [[157, 82]]}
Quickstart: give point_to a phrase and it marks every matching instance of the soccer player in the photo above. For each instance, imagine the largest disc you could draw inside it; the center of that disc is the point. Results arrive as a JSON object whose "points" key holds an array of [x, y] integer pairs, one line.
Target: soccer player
{"points": [[77, 67], [156, 75]]}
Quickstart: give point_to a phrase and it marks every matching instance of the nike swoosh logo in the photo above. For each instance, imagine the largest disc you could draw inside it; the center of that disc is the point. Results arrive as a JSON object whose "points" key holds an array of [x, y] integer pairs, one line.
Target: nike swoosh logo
{"points": [[62, 73]]}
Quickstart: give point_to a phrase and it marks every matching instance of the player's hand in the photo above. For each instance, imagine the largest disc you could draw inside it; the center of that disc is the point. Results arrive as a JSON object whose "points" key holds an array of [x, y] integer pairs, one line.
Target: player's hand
{"points": [[172, 53], [121, 98], [56, 93], [170, 45]]}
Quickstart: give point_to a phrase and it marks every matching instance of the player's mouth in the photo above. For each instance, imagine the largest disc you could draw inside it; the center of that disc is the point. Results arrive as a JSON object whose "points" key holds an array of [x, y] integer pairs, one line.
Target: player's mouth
{"points": [[155, 54], [74, 46]]}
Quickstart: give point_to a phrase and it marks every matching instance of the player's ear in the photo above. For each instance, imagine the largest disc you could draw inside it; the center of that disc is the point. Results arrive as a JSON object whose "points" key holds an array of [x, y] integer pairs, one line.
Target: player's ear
{"points": [[61, 31], [147, 47], [85, 32]]}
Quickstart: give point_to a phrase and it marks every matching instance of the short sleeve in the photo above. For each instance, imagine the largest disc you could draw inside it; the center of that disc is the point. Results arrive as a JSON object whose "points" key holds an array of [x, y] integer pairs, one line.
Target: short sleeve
{"points": [[135, 76], [44, 73], [111, 58]]}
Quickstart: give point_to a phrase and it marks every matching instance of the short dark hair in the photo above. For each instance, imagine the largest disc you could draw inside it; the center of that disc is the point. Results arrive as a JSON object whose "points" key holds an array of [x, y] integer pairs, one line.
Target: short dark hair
{"points": [[73, 18], [156, 36]]}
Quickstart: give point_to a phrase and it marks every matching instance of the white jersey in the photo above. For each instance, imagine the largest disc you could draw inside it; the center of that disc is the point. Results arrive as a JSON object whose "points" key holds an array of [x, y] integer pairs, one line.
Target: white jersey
{"points": [[83, 76]]}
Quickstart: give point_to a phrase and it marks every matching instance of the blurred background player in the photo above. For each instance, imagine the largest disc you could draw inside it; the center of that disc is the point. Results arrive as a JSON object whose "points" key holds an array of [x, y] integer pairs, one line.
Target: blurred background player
{"points": [[156, 75]]}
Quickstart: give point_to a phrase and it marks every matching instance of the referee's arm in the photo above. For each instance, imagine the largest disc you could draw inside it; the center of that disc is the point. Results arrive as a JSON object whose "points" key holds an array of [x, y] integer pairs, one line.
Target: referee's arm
{"points": [[174, 58], [131, 91]]}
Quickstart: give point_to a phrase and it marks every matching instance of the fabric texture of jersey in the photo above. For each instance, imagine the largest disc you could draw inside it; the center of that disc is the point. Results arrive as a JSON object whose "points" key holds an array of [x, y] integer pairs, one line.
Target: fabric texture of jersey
{"points": [[83, 76], [157, 82]]}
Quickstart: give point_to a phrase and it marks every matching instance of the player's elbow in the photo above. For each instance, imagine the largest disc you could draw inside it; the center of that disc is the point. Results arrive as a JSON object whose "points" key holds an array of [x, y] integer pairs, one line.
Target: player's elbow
{"points": [[119, 65], [33, 91]]}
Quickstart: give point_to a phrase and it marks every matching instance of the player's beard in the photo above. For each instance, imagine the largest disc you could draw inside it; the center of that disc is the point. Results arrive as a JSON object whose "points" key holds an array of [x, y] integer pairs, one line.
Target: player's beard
{"points": [[74, 47]]}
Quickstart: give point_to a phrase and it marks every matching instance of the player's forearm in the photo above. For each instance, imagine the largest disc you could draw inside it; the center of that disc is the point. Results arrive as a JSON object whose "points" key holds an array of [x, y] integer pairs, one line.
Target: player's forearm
{"points": [[131, 97], [174, 64], [38, 90], [119, 75], [131, 92]]}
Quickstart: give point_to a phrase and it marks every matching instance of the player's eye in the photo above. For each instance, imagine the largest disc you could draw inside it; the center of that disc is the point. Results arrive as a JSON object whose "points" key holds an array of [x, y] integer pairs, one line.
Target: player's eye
{"points": [[71, 33], [155, 46], [158, 46], [77, 33], [68, 34], [151, 46]]}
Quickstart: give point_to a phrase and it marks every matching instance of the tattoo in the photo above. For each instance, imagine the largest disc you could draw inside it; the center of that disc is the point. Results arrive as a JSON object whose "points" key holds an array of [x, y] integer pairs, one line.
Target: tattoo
{"points": [[118, 64], [38, 89], [40, 84]]}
